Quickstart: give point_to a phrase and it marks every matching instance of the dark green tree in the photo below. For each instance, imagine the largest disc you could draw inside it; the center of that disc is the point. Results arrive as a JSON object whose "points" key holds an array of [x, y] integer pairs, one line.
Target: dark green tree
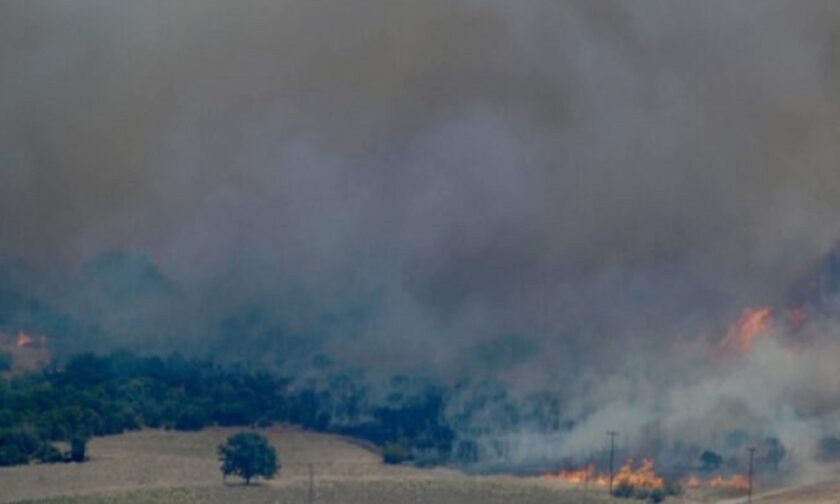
{"points": [[775, 452], [5, 361], [710, 461], [247, 455], [395, 453], [78, 449]]}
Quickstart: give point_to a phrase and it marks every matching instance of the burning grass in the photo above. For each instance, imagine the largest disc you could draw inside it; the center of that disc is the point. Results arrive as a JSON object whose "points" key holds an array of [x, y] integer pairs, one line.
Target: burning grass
{"points": [[733, 482], [641, 481], [641, 476]]}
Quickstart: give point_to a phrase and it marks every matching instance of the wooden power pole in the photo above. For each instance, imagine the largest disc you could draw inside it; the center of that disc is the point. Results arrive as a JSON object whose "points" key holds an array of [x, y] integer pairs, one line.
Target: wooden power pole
{"points": [[311, 498], [612, 435]]}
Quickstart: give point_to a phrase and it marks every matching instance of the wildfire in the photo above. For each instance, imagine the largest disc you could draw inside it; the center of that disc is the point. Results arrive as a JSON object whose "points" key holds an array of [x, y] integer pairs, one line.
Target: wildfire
{"points": [[643, 477], [24, 340], [753, 324], [584, 475], [734, 482]]}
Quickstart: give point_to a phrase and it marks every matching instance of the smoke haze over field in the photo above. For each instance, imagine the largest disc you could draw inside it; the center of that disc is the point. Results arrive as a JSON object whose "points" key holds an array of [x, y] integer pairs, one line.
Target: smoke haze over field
{"points": [[564, 196]]}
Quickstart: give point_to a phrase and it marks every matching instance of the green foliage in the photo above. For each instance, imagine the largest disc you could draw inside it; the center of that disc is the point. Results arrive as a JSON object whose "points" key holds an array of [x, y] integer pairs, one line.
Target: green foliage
{"points": [[191, 418], [710, 461], [247, 455], [395, 453], [628, 491], [657, 495], [49, 454], [78, 449], [672, 488], [17, 446], [12, 455], [624, 491], [6, 361], [102, 395]]}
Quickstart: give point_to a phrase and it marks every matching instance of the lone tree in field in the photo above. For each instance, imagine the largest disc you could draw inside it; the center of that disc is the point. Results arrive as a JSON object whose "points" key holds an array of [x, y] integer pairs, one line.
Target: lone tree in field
{"points": [[710, 461], [246, 455]]}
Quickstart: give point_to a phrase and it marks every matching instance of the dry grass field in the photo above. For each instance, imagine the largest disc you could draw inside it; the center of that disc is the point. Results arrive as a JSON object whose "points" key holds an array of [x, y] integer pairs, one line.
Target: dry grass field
{"points": [[160, 466], [155, 466]]}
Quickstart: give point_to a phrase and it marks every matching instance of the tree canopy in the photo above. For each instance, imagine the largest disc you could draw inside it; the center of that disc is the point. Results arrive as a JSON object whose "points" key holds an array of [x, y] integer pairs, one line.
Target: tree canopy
{"points": [[248, 454]]}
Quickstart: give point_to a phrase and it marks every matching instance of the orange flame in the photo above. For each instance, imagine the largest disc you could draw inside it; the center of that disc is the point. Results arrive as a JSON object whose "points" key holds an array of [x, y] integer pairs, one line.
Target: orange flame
{"points": [[644, 476], [734, 482], [743, 334], [24, 340], [584, 475]]}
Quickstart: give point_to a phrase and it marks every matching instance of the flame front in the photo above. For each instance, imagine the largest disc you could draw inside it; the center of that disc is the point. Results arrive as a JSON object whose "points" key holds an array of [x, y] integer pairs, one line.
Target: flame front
{"points": [[734, 482], [743, 334], [643, 477], [24, 340], [584, 475]]}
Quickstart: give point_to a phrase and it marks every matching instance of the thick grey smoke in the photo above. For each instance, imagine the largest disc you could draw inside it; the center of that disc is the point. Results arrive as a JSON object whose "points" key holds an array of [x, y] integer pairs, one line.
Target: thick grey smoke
{"points": [[562, 195]]}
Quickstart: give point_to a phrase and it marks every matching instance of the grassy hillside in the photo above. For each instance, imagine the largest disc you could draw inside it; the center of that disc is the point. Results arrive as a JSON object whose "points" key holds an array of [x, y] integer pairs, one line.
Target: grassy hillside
{"points": [[153, 466], [180, 467]]}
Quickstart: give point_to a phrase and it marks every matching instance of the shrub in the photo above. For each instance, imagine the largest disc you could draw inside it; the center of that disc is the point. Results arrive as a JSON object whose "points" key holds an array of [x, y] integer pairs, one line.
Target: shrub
{"points": [[6, 361], [395, 453], [628, 491], [657, 495], [78, 449], [18, 447], [624, 491], [49, 454], [710, 461], [191, 419], [12, 455]]}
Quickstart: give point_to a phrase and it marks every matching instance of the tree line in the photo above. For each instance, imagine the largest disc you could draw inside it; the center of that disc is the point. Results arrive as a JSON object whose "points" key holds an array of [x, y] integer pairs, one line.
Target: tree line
{"points": [[98, 395]]}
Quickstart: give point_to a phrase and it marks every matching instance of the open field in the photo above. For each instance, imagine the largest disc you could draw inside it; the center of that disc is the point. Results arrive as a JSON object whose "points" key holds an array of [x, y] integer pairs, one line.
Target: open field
{"points": [[827, 492], [160, 466]]}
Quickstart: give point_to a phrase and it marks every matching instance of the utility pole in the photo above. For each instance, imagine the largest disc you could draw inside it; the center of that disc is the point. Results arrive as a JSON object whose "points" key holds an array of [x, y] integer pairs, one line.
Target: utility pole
{"points": [[590, 465], [311, 498], [585, 489], [612, 435], [750, 476]]}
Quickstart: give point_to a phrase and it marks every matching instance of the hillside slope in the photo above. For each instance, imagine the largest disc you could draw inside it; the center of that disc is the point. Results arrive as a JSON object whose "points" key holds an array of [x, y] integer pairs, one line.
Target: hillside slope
{"points": [[163, 466]]}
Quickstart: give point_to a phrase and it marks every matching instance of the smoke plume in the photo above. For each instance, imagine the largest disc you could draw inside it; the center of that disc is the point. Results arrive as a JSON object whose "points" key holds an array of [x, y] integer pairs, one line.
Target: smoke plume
{"points": [[567, 197]]}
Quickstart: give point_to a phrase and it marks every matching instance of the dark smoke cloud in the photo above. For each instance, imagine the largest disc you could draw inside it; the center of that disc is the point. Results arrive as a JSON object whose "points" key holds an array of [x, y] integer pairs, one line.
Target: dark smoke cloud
{"points": [[412, 185]]}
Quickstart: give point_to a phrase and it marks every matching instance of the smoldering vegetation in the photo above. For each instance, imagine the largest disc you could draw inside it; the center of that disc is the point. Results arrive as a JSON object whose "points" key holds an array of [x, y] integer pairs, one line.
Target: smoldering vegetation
{"points": [[553, 211]]}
